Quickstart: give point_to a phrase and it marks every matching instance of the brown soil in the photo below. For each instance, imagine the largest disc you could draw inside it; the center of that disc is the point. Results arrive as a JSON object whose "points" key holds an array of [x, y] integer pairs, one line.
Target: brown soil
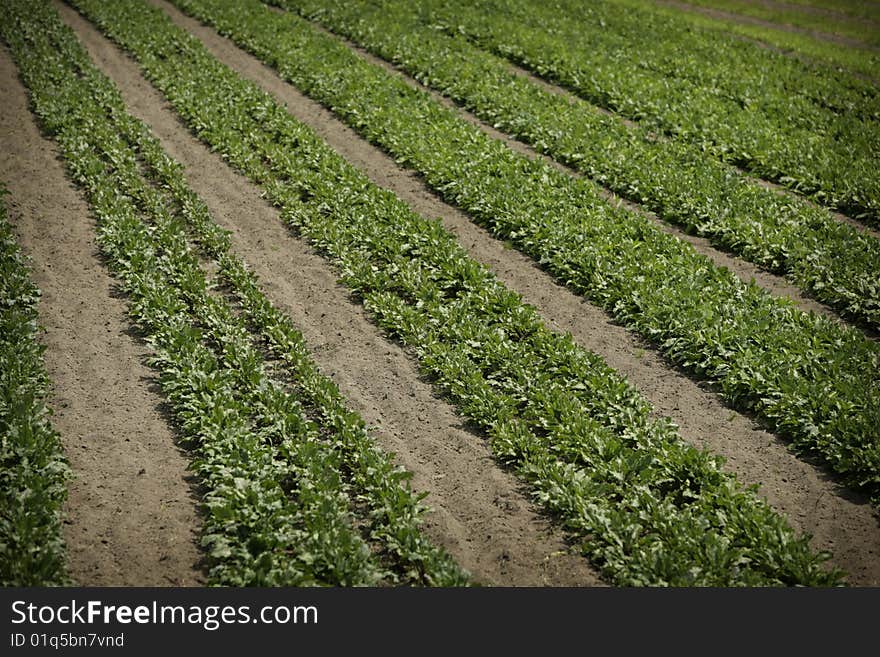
{"points": [[481, 514], [131, 516]]}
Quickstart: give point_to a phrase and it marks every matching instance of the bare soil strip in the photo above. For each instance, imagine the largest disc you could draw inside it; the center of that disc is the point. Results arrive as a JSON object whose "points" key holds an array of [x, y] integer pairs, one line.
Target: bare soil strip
{"points": [[131, 517], [846, 526], [481, 513], [782, 27], [746, 271]]}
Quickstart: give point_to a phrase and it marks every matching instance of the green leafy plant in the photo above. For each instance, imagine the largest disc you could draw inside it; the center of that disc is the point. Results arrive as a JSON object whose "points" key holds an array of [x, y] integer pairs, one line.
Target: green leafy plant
{"points": [[816, 132], [33, 469]]}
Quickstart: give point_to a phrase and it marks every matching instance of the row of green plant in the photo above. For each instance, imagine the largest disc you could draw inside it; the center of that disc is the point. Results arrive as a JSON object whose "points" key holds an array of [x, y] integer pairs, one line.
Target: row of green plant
{"points": [[376, 486], [645, 507], [33, 469], [820, 54], [852, 27], [829, 260], [822, 143], [733, 70], [727, 67], [855, 8], [296, 492], [813, 381]]}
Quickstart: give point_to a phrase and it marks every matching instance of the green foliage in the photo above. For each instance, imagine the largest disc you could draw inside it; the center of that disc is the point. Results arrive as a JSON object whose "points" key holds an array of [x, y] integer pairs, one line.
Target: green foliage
{"points": [[816, 52], [826, 22], [646, 507], [828, 259], [33, 470], [817, 132]]}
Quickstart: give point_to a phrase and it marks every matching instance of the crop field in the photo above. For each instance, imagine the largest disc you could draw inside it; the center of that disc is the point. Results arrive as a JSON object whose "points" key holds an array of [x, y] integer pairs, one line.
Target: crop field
{"points": [[440, 293]]}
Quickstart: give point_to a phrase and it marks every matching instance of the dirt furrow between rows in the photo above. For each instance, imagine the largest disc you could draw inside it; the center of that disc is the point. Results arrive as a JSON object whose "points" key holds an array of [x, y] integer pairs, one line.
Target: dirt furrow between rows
{"points": [[847, 527], [131, 516], [480, 513], [746, 271]]}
